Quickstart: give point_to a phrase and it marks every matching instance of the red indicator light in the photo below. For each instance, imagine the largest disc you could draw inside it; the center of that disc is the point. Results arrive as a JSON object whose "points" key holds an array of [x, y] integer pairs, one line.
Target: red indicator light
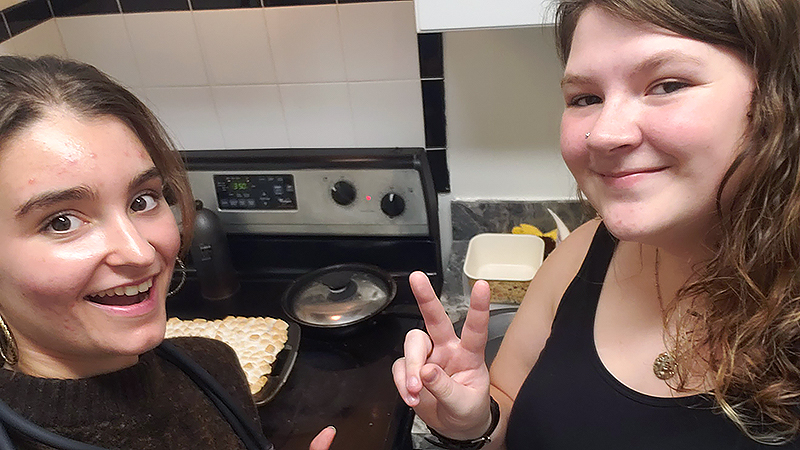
{"points": [[369, 197]]}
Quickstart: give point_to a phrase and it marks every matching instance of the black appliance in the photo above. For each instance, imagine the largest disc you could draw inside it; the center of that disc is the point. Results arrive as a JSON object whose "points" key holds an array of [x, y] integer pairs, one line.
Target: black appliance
{"points": [[288, 212]]}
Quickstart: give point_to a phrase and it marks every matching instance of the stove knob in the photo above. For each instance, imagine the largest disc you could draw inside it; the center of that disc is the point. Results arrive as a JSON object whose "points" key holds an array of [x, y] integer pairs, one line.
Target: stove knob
{"points": [[343, 193], [392, 204]]}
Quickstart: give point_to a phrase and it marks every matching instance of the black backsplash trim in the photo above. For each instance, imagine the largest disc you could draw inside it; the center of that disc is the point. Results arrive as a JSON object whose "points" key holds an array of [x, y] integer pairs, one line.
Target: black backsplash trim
{"points": [[433, 113], [431, 72], [431, 61], [26, 15], [437, 159], [140, 6], [67, 8], [297, 2], [225, 4]]}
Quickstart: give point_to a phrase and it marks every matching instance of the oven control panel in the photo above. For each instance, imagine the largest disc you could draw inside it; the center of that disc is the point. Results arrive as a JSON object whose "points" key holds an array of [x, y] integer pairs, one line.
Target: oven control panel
{"points": [[377, 202], [255, 192]]}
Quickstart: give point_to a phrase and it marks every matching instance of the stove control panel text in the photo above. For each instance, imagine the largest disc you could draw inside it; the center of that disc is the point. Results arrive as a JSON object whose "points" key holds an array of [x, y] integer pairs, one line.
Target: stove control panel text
{"points": [[256, 192]]}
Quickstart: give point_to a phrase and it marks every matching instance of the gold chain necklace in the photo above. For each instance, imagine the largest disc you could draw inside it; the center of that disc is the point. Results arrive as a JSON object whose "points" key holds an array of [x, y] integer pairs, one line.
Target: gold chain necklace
{"points": [[664, 366]]}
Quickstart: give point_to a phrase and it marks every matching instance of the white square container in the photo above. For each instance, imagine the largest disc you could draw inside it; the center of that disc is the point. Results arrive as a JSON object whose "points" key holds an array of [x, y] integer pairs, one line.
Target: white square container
{"points": [[507, 261]]}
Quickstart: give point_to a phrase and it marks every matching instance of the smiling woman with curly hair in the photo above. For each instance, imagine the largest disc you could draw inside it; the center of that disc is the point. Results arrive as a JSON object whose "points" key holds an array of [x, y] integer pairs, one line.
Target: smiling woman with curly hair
{"points": [[673, 320]]}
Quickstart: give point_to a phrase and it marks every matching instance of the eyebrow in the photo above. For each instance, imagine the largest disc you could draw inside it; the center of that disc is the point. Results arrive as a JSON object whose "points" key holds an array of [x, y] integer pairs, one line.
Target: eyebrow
{"points": [[144, 177], [650, 64], [49, 198]]}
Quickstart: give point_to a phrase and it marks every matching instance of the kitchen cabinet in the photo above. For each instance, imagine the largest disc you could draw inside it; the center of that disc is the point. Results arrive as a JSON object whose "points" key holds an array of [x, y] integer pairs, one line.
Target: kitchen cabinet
{"points": [[446, 15]]}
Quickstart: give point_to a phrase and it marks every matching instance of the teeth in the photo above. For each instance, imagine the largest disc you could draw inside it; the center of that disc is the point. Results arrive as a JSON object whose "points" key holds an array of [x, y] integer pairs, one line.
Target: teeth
{"points": [[129, 291]]}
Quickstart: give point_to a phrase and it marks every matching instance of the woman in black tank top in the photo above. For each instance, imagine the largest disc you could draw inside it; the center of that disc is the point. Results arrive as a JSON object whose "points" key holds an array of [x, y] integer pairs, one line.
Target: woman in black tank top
{"points": [[672, 320]]}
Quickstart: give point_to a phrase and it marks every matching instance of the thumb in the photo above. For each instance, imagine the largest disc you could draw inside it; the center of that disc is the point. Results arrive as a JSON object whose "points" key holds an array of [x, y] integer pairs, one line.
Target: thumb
{"points": [[324, 439], [437, 382]]}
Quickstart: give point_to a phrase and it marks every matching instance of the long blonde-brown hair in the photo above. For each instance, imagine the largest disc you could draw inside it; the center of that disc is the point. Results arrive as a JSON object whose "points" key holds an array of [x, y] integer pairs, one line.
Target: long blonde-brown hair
{"points": [[750, 289]]}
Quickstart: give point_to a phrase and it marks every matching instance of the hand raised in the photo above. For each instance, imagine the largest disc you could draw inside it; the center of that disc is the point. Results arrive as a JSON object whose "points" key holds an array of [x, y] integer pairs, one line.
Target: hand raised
{"points": [[442, 377]]}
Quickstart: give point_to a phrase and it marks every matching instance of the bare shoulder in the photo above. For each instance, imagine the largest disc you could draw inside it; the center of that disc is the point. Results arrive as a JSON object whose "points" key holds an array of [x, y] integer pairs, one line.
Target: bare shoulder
{"points": [[530, 329]]}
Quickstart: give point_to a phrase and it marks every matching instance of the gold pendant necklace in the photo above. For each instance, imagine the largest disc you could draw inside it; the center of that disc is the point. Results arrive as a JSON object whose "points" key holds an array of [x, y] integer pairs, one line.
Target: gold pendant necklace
{"points": [[664, 366]]}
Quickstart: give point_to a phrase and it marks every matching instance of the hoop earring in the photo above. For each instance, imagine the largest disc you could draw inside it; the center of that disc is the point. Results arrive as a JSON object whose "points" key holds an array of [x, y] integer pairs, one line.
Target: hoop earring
{"points": [[8, 345], [182, 270]]}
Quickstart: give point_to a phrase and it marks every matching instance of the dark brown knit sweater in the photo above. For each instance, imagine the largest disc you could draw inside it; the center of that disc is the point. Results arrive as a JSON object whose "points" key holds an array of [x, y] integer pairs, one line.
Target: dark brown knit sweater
{"points": [[152, 405]]}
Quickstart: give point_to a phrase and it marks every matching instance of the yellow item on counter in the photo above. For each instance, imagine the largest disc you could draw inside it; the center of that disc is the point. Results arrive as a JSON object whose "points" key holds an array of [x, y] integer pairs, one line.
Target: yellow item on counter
{"points": [[525, 228]]}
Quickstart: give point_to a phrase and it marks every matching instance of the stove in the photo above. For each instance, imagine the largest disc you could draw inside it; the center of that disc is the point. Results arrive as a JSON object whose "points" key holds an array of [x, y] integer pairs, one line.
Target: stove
{"points": [[288, 212]]}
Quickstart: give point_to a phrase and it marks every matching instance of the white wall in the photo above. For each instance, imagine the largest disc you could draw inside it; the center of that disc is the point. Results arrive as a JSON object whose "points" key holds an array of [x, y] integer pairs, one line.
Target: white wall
{"points": [[504, 105]]}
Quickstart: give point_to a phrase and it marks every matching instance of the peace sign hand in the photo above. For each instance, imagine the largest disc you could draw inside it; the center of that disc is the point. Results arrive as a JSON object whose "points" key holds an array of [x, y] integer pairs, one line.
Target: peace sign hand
{"points": [[442, 377]]}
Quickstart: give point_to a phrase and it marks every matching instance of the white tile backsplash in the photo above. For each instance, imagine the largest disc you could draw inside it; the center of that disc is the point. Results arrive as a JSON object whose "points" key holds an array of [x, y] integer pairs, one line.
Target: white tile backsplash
{"points": [[318, 115], [189, 115], [7, 48], [235, 46], [379, 41], [167, 49], [306, 43], [113, 53], [251, 116], [302, 76], [388, 111], [43, 39]]}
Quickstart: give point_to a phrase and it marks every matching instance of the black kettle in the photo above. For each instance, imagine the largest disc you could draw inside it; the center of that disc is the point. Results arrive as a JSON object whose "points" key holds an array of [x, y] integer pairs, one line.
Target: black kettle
{"points": [[211, 256]]}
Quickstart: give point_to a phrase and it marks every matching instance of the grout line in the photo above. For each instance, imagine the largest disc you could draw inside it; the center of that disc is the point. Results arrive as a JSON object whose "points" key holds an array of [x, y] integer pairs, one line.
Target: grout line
{"points": [[5, 23]]}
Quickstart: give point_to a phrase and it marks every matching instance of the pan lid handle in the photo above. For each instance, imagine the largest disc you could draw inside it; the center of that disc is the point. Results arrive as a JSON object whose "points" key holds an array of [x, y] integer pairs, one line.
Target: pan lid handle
{"points": [[340, 284]]}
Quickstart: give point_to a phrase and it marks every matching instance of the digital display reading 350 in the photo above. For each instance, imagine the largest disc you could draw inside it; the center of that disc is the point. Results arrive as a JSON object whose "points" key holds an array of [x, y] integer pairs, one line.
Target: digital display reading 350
{"points": [[256, 192]]}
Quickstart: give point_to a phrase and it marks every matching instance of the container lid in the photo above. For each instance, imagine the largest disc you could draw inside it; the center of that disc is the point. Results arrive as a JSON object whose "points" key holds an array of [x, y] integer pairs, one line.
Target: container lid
{"points": [[339, 296]]}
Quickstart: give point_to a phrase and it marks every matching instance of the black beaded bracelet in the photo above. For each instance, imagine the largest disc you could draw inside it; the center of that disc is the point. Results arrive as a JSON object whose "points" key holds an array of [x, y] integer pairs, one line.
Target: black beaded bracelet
{"points": [[469, 444]]}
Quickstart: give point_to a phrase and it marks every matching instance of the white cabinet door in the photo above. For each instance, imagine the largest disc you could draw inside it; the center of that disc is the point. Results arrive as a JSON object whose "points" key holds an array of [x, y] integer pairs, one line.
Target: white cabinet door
{"points": [[445, 15]]}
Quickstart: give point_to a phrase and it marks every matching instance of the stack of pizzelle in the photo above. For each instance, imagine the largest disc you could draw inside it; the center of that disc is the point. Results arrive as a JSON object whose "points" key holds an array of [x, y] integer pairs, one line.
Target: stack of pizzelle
{"points": [[256, 341]]}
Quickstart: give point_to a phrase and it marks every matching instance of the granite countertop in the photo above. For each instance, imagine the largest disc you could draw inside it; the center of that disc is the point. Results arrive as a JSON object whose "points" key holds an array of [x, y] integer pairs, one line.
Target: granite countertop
{"points": [[453, 299]]}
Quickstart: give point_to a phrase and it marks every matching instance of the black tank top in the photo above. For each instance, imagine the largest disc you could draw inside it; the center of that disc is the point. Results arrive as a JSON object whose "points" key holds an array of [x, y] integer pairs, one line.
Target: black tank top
{"points": [[571, 401]]}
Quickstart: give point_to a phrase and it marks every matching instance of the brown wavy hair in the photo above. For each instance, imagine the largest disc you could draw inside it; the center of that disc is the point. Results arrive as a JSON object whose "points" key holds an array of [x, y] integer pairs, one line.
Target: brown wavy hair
{"points": [[32, 87], [749, 291]]}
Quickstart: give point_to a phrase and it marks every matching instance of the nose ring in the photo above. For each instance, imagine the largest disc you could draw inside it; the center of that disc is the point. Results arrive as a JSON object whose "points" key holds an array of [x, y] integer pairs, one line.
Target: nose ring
{"points": [[586, 136]]}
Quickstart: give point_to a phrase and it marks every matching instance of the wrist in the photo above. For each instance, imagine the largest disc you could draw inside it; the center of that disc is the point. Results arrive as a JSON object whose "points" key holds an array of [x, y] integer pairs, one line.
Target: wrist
{"points": [[470, 444]]}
